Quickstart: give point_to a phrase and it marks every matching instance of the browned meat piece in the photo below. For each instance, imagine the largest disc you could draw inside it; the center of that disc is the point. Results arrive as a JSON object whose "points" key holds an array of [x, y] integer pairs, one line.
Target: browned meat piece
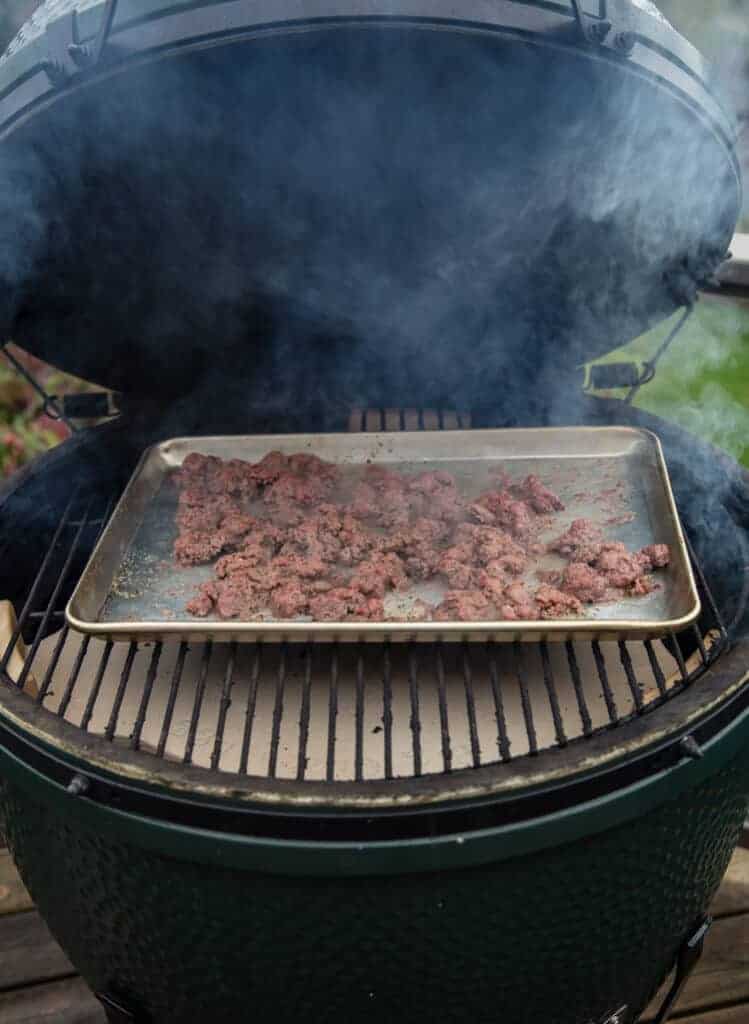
{"points": [[196, 470], [480, 514], [556, 604], [363, 501], [463, 606], [288, 601], [306, 464], [581, 542], [378, 575], [456, 564], [343, 603], [289, 489], [658, 555], [205, 600], [356, 542], [197, 548], [583, 582], [236, 598], [492, 585], [253, 565], [432, 482], [235, 526], [619, 566], [306, 567], [495, 545], [540, 498], [235, 478], [515, 516], [381, 478], [518, 603], [270, 468], [642, 585]]}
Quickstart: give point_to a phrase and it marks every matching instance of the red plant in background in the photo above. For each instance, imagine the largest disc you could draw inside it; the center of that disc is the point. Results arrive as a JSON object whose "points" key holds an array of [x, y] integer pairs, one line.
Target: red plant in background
{"points": [[26, 429]]}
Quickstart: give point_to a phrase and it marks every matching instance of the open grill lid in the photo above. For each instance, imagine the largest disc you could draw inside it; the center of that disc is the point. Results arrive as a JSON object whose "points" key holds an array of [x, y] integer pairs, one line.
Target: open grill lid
{"points": [[410, 193]]}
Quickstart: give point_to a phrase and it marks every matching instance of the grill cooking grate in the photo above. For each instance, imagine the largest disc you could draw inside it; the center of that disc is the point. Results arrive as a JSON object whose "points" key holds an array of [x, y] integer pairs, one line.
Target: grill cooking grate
{"points": [[334, 712]]}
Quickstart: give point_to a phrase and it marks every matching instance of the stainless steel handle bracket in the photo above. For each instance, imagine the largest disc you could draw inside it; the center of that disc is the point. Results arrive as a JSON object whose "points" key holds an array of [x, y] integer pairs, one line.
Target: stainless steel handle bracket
{"points": [[67, 55]]}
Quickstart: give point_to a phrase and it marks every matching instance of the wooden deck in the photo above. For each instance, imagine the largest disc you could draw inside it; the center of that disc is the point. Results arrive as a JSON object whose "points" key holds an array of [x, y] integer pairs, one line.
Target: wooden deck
{"points": [[39, 986]]}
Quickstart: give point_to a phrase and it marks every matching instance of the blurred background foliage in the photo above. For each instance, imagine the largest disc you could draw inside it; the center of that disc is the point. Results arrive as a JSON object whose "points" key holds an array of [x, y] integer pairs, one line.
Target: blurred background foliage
{"points": [[702, 382]]}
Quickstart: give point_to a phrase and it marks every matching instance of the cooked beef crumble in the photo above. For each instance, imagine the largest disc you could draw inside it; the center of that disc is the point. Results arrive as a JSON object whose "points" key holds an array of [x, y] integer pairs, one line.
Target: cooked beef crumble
{"points": [[285, 535]]}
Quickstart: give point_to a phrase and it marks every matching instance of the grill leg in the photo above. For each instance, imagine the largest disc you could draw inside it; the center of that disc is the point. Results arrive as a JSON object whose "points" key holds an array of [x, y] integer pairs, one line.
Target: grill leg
{"points": [[689, 954], [117, 1014]]}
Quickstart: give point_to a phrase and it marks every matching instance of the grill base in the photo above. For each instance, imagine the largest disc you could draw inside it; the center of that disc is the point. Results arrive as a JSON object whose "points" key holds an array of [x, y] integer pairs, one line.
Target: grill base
{"points": [[561, 935]]}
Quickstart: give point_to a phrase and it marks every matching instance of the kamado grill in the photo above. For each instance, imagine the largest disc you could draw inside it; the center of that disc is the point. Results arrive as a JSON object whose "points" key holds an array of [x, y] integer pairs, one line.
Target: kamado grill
{"points": [[253, 219]]}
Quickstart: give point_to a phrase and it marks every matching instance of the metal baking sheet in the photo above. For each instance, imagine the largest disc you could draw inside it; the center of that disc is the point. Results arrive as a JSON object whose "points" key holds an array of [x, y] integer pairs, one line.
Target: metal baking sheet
{"points": [[132, 589]]}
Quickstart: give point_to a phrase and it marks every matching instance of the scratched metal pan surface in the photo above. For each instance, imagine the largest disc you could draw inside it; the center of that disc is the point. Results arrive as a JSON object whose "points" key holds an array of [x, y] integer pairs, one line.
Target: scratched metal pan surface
{"points": [[132, 589]]}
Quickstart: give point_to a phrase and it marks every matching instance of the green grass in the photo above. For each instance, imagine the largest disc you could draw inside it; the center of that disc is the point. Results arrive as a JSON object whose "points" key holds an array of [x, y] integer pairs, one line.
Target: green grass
{"points": [[702, 381]]}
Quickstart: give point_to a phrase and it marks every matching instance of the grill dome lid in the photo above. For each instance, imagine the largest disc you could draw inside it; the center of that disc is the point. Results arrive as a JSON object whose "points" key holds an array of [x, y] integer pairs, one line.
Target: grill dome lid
{"points": [[451, 192]]}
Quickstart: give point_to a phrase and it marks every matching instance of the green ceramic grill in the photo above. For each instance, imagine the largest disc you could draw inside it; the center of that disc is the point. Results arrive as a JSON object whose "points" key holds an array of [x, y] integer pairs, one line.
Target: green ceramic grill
{"points": [[249, 218]]}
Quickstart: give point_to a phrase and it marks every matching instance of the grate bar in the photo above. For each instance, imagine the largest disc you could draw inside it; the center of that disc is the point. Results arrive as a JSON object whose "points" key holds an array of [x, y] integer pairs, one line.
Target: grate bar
{"points": [[44, 621], [471, 707], [447, 754], [140, 721], [387, 711], [634, 686], [304, 715], [503, 740], [414, 721], [73, 677], [551, 692], [660, 679], [249, 718], [277, 713], [197, 706], [179, 668], [103, 662], [577, 682], [224, 706], [29, 602], [124, 679], [359, 737], [50, 671], [679, 655], [700, 645], [332, 715], [530, 727], [603, 675]]}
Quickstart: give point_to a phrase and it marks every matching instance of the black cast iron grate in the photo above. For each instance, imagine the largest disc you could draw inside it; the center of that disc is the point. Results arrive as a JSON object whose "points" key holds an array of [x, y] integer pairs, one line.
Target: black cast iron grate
{"points": [[334, 712]]}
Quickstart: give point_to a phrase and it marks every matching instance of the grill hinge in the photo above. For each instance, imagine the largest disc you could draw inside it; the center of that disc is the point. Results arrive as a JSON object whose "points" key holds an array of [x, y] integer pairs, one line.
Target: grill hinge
{"points": [[66, 54], [596, 26]]}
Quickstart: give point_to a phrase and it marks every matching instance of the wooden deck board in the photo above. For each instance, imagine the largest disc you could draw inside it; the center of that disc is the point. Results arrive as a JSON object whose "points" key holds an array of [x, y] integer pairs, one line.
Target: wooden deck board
{"points": [[38, 986], [57, 1002]]}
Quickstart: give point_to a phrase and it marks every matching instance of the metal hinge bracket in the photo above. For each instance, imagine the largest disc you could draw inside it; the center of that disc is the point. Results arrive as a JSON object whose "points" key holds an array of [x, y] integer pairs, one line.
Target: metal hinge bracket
{"points": [[598, 27], [66, 54]]}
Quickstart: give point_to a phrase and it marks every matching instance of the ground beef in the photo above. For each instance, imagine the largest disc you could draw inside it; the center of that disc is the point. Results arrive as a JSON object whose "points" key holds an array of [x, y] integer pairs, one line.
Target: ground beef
{"points": [[289, 600], [557, 604], [581, 542], [540, 498], [288, 536], [196, 547], [463, 606], [658, 555], [583, 583], [517, 603]]}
